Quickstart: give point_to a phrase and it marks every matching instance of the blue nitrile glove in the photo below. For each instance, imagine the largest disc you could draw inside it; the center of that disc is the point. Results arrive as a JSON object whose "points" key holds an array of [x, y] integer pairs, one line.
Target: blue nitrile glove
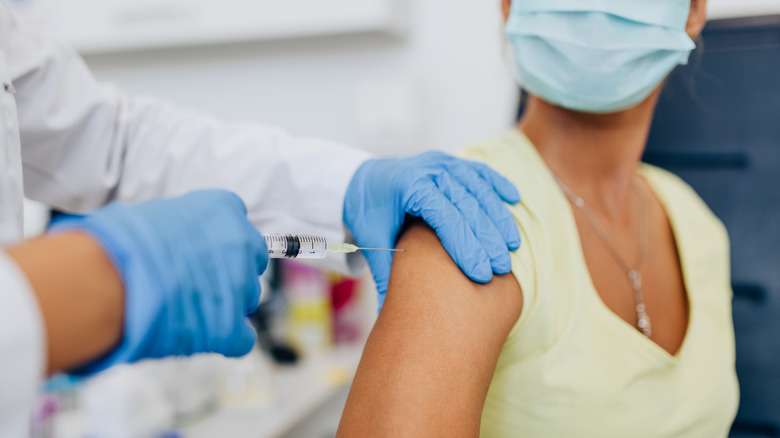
{"points": [[190, 268], [461, 200]]}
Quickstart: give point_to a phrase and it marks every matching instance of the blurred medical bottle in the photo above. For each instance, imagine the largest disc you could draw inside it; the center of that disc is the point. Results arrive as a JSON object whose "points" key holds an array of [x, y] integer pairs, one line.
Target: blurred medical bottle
{"points": [[309, 312]]}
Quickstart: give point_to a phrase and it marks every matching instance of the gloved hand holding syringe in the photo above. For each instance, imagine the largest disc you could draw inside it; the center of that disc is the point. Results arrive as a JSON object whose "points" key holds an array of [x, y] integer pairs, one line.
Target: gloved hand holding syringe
{"points": [[295, 246]]}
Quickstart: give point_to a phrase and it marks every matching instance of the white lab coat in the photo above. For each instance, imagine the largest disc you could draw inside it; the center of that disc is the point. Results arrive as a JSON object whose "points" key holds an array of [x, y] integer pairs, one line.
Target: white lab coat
{"points": [[74, 144]]}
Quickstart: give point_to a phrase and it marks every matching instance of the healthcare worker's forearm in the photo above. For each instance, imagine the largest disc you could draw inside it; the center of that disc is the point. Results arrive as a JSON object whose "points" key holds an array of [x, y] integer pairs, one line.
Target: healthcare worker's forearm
{"points": [[80, 296]]}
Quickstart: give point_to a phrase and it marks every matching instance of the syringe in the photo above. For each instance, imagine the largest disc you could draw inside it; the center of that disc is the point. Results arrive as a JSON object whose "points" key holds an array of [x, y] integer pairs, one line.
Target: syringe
{"points": [[294, 246]]}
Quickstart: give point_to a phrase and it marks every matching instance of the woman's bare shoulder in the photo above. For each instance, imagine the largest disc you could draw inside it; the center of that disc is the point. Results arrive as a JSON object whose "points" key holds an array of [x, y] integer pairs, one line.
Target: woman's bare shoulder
{"points": [[427, 266]]}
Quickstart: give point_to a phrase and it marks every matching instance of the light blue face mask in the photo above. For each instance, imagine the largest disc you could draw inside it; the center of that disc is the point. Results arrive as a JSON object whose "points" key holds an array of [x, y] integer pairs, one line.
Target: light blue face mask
{"points": [[597, 56]]}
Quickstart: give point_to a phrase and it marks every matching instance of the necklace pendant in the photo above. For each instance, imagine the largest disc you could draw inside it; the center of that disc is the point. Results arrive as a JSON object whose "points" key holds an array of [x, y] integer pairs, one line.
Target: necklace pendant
{"points": [[643, 320]]}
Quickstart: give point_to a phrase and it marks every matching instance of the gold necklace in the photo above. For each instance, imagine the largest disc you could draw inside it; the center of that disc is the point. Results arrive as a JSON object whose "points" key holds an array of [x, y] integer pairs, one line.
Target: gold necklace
{"points": [[634, 276]]}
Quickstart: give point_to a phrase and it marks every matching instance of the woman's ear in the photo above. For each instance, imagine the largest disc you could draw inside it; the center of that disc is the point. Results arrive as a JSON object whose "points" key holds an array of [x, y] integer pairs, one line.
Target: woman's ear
{"points": [[697, 18], [506, 6]]}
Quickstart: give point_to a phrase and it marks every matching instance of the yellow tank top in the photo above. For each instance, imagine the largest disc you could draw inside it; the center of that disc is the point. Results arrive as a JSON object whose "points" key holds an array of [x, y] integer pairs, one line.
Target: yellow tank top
{"points": [[571, 367]]}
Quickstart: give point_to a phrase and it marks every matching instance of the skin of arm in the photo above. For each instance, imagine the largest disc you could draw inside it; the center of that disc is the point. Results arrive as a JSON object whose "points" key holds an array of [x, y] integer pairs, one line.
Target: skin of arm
{"points": [[429, 360], [80, 295]]}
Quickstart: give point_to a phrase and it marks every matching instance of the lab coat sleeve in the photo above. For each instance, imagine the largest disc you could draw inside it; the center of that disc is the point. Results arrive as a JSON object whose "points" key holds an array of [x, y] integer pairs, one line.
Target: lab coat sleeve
{"points": [[85, 144], [21, 350]]}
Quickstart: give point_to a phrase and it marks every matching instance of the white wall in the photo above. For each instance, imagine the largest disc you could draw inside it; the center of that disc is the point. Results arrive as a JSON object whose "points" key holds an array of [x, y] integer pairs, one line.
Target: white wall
{"points": [[742, 8], [443, 85]]}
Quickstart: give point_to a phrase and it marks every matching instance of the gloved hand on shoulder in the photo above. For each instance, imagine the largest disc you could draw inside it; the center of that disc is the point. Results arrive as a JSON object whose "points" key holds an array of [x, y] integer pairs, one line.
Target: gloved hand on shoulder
{"points": [[190, 268], [463, 201]]}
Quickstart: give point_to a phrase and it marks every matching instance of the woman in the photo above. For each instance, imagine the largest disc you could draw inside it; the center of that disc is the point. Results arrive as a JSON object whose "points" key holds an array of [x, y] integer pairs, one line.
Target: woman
{"points": [[616, 320]]}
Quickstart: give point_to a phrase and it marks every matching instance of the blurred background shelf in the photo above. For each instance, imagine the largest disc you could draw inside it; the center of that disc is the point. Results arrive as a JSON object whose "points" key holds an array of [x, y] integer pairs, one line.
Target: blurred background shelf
{"points": [[307, 400], [302, 391]]}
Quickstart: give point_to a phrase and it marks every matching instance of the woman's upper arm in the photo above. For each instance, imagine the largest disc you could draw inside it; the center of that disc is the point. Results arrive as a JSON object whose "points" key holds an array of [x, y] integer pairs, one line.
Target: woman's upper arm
{"points": [[430, 358]]}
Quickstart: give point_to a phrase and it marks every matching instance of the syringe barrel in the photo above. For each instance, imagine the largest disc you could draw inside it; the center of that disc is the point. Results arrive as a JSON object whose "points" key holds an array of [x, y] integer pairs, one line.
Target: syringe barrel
{"points": [[295, 246]]}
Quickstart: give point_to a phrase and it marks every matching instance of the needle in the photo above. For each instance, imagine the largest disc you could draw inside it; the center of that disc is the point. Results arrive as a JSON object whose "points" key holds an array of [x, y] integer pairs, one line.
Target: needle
{"points": [[382, 249]]}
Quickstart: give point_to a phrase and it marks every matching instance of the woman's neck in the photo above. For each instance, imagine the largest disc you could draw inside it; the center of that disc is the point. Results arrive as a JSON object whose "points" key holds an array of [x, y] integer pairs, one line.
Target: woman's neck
{"points": [[595, 155]]}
